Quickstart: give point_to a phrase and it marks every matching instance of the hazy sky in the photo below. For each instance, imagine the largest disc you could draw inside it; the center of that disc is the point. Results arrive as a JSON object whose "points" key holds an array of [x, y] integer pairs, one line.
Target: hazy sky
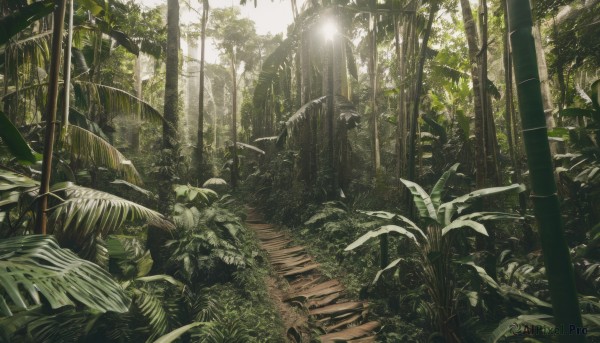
{"points": [[269, 17]]}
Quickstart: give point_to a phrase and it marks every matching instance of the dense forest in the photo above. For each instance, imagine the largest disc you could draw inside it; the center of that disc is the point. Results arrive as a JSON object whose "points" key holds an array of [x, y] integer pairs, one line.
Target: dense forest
{"points": [[382, 171]]}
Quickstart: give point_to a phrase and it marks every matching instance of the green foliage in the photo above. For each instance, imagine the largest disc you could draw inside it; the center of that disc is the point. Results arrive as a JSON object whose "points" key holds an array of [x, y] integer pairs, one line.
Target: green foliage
{"points": [[14, 141], [36, 265], [208, 245], [434, 242], [239, 317], [194, 196], [157, 299], [330, 211], [86, 214], [85, 146], [20, 18]]}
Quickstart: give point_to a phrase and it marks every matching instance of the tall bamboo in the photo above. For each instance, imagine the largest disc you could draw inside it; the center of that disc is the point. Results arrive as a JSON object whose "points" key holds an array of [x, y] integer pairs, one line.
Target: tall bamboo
{"points": [[67, 74], [557, 259], [57, 35]]}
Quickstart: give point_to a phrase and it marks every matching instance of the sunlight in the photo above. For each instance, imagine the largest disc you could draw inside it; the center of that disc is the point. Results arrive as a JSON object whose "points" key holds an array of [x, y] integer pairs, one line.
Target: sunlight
{"points": [[329, 30]]}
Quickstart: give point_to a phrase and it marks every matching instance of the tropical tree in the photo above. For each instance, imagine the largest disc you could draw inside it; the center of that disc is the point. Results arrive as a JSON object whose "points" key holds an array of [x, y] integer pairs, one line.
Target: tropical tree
{"points": [[233, 32]]}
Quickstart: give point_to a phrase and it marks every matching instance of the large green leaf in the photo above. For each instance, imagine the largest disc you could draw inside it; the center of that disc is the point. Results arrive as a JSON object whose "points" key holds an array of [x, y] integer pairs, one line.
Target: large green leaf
{"points": [[35, 265], [13, 140], [392, 265], [479, 228], [18, 20], [412, 225], [383, 230], [379, 214], [448, 209], [479, 216], [175, 334], [422, 200], [88, 213], [87, 147], [390, 216], [513, 326], [436, 192]]}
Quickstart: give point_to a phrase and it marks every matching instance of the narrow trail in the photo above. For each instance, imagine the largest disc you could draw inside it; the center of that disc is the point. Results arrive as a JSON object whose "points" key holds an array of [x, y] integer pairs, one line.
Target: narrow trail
{"points": [[321, 298]]}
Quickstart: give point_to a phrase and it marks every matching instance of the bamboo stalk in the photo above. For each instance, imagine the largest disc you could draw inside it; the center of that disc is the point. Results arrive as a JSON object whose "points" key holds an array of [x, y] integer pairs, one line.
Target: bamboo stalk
{"points": [[51, 104], [557, 259]]}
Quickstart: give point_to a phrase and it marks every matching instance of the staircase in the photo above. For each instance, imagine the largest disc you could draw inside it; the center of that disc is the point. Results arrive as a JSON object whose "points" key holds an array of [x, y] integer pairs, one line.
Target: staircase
{"points": [[341, 320]]}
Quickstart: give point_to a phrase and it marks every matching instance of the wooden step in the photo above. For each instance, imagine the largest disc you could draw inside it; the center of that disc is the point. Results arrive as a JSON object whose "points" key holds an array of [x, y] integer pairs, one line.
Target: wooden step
{"points": [[287, 251], [293, 264], [342, 323], [337, 308], [361, 331], [322, 301], [302, 270]]}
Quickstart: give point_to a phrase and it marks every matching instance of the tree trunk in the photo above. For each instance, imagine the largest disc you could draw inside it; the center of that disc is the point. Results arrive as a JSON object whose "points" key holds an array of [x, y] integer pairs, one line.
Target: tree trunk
{"points": [[375, 153], [331, 193], [234, 166], [417, 96], [557, 259], [135, 135], [51, 103], [171, 104], [200, 133], [172, 76], [471, 34]]}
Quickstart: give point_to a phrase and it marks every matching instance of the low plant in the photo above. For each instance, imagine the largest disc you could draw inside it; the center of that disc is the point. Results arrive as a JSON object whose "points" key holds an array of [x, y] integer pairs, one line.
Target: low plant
{"points": [[434, 242]]}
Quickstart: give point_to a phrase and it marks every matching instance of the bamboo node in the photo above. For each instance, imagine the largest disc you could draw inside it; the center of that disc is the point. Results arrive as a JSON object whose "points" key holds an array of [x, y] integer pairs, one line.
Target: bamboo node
{"points": [[543, 196], [535, 128], [532, 79]]}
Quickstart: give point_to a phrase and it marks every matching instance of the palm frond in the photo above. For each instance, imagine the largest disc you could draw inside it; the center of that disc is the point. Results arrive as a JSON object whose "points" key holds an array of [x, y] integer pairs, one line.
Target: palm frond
{"points": [[113, 100], [19, 19], [117, 101], [86, 146], [36, 265], [303, 112], [251, 147], [138, 189], [175, 334], [12, 186], [150, 305], [270, 70], [89, 213], [157, 299]]}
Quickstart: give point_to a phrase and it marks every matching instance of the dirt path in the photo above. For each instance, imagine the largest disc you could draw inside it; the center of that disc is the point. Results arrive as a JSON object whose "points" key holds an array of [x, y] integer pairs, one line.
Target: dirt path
{"points": [[320, 301]]}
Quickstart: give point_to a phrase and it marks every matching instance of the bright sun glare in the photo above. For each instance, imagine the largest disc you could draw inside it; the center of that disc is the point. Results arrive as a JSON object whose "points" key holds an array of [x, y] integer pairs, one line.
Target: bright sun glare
{"points": [[329, 30]]}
